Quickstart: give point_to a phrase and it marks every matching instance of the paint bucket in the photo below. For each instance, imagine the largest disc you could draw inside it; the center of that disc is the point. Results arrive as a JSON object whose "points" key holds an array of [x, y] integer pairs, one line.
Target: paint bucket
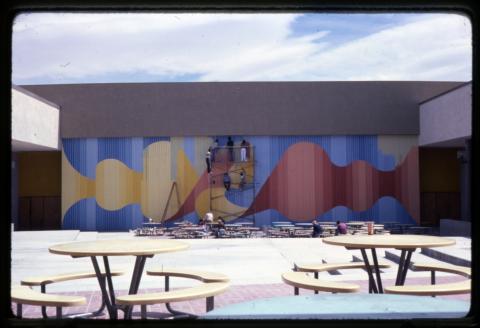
{"points": [[370, 227]]}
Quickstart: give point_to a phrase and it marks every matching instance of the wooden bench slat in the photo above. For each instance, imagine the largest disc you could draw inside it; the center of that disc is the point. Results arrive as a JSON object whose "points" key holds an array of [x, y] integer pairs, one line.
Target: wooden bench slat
{"points": [[453, 288], [319, 267], [450, 268], [301, 280], [204, 276], [25, 295], [39, 280], [201, 291]]}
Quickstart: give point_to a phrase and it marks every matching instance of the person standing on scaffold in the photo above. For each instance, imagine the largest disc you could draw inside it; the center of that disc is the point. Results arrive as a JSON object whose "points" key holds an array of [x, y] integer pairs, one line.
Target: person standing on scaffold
{"points": [[208, 159], [243, 151]]}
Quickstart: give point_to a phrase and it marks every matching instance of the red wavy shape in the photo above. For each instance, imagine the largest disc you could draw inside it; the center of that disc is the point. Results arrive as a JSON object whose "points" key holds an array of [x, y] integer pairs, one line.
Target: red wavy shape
{"points": [[189, 205], [306, 184]]}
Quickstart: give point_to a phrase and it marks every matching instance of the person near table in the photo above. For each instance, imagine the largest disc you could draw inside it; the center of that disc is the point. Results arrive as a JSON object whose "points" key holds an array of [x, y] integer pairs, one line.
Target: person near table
{"points": [[208, 217], [317, 229], [203, 224], [230, 148], [221, 230], [341, 228], [227, 181]]}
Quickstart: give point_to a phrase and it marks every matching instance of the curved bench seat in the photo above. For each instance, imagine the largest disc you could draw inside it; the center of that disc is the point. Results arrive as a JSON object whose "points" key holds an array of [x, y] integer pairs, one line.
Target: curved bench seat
{"points": [[301, 280], [45, 280], [204, 276], [320, 267], [179, 295], [461, 287], [25, 295], [213, 283], [449, 268], [205, 290]]}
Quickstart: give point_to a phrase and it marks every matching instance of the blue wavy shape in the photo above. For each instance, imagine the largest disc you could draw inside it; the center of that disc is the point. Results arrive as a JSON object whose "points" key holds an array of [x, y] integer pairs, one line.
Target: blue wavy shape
{"points": [[86, 215], [385, 209], [85, 153]]}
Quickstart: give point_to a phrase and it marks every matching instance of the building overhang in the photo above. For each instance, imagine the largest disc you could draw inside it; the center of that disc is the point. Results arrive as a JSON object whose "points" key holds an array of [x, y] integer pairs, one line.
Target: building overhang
{"points": [[35, 122]]}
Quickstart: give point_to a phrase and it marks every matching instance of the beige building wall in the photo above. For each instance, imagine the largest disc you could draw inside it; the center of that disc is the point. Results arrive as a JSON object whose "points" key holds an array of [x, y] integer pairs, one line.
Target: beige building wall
{"points": [[35, 123]]}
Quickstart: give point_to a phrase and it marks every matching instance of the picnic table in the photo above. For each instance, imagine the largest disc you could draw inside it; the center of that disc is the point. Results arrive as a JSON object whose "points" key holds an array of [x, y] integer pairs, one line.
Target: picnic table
{"points": [[141, 249], [233, 226], [152, 224], [304, 224], [406, 243], [355, 225], [245, 223], [284, 226]]}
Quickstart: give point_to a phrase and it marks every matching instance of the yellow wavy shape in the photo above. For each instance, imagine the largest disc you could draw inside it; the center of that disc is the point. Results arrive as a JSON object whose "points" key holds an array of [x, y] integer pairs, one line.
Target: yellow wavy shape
{"points": [[200, 148], [156, 182], [187, 176], [234, 173], [220, 204], [116, 185], [74, 185]]}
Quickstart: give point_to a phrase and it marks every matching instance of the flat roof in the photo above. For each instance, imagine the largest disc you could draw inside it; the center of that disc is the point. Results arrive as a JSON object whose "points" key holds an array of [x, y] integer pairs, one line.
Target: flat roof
{"points": [[240, 108], [35, 96]]}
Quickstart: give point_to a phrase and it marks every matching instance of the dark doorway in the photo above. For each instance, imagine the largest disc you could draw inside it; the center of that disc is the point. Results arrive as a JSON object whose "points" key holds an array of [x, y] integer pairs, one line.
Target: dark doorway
{"points": [[39, 190], [439, 185]]}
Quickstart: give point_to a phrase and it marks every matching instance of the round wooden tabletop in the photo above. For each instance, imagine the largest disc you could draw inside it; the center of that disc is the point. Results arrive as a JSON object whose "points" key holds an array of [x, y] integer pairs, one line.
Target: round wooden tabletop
{"points": [[118, 247], [388, 241]]}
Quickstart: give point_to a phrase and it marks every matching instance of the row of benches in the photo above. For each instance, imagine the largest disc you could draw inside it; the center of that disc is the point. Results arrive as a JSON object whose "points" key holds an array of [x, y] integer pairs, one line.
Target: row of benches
{"points": [[212, 284], [192, 231], [298, 279], [215, 283]]}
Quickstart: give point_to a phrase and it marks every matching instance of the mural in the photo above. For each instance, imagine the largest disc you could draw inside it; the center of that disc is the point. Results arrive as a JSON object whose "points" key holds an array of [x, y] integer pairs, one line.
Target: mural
{"points": [[115, 184]]}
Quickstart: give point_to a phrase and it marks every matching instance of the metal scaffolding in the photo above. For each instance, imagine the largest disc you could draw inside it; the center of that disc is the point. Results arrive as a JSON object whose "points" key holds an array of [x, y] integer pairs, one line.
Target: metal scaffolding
{"points": [[230, 160]]}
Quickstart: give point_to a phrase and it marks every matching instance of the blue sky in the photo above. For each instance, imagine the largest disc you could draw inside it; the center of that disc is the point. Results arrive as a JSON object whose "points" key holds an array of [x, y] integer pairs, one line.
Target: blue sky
{"points": [[344, 27], [51, 48]]}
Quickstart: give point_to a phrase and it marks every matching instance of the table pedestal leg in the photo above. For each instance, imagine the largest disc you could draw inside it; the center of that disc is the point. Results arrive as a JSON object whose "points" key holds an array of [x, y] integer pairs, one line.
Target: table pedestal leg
{"points": [[403, 265], [112, 312], [377, 271], [371, 283], [135, 282], [109, 296]]}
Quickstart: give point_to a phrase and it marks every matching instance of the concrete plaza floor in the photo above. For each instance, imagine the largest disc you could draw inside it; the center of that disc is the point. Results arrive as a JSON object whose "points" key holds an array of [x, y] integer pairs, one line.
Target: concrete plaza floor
{"points": [[254, 265]]}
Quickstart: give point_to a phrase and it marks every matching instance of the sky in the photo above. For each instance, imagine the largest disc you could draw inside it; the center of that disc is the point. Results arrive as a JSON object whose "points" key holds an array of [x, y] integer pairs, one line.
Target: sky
{"points": [[59, 48]]}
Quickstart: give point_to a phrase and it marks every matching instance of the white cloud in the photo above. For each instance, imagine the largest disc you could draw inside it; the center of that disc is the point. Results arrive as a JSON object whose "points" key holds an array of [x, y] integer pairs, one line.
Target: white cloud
{"points": [[234, 47], [438, 48]]}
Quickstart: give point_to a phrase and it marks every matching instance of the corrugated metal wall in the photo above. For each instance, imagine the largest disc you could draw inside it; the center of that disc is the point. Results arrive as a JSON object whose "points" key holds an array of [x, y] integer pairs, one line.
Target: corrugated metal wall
{"points": [[289, 171]]}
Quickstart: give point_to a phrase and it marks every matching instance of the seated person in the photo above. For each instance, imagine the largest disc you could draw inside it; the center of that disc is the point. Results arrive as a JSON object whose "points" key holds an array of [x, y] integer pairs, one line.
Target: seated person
{"points": [[220, 222], [317, 229], [221, 230], [341, 228]]}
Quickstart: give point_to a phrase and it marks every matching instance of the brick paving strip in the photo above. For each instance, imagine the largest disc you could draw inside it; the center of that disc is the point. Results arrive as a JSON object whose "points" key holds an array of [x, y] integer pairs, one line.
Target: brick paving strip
{"points": [[235, 294]]}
